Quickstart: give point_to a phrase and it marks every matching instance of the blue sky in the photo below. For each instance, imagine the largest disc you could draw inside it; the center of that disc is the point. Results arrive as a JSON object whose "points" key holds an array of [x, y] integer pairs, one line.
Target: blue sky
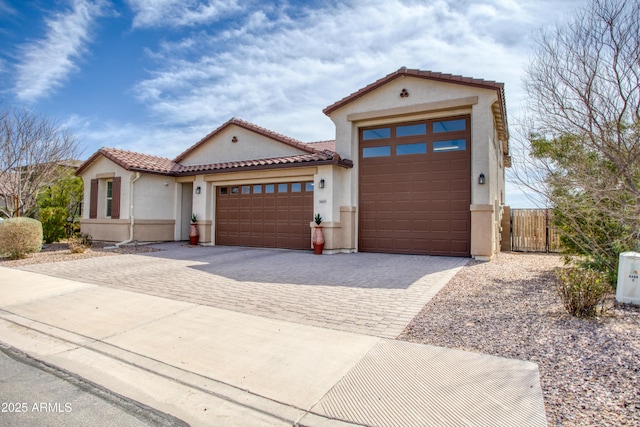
{"points": [[156, 75]]}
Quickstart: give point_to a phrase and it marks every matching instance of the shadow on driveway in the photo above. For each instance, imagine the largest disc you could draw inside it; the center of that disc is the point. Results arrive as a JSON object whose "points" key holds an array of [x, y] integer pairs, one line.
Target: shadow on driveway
{"points": [[363, 270]]}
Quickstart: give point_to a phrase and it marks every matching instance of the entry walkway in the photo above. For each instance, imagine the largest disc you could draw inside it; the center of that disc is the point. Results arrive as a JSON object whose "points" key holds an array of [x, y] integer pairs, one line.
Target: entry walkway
{"points": [[211, 366]]}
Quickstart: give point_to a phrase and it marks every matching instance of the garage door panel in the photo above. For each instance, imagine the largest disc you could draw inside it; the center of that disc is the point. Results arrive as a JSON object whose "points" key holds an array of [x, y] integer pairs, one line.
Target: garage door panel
{"points": [[460, 225], [384, 225], [459, 185], [440, 165], [265, 215], [442, 206], [461, 206], [423, 199], [460, 246]]}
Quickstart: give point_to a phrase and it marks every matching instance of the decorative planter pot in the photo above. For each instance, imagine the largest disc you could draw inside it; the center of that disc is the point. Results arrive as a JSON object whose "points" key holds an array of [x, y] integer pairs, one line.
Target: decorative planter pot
{"points": [[193, 234], [318, 241]]}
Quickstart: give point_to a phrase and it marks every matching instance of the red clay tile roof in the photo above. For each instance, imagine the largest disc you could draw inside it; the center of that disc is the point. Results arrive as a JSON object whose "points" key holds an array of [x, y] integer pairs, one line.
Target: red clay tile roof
{"points": [[320, 152], [254, 128], [323, 145], [448, 78], [321, 157], [131, 161]]}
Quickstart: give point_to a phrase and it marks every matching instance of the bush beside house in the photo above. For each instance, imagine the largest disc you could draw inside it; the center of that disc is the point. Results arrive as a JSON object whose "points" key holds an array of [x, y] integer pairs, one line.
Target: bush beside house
{"points": [[20, 236]]}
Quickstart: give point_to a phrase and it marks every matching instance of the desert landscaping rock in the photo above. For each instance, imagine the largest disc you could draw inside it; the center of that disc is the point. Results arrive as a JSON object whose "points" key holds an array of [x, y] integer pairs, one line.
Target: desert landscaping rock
{"points": [[57, 252], [589, 368]]}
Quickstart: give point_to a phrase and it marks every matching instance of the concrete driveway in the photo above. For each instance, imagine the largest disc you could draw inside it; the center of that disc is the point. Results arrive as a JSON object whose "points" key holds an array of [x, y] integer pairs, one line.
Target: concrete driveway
{"points": [[366, 293]]}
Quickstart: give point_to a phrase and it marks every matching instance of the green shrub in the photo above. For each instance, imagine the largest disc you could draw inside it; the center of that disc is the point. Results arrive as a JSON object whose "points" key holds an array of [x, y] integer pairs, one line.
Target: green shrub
{"points": [[20, 236], [582, 291], [72, 229], [54, 222], [79, 244]]}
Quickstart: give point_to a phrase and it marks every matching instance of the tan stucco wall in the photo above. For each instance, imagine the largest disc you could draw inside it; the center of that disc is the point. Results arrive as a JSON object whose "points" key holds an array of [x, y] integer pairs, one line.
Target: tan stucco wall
{"points": [[250, 145], [153, 205], [105, 169], [153, 230], [430, 99], [154, 197], [107, 230]]}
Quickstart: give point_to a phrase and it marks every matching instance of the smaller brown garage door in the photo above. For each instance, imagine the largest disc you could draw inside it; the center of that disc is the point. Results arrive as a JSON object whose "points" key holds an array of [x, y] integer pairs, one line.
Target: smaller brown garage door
{"points": [[265, 215]]}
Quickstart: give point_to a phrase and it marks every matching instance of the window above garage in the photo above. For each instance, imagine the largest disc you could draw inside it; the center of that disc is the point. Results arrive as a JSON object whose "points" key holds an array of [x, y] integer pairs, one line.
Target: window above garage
{"points": [[415, 138]]}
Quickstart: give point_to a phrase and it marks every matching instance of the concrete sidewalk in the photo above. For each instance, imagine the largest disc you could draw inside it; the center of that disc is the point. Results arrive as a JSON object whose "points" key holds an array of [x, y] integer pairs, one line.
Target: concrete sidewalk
{"points": [[211, 366]]}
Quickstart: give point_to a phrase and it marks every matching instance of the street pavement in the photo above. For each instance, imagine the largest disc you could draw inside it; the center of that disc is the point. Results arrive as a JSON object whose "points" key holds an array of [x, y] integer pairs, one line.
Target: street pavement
{"points": [[33, 393]]}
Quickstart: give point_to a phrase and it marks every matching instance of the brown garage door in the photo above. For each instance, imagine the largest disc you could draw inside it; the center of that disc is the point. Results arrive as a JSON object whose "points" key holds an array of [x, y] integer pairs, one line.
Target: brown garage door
{"points": [[415, 187], [265, 215]]}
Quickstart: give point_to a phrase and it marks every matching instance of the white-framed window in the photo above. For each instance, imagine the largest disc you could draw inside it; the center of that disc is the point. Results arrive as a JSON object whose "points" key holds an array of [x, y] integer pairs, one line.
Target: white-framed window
{"points": [[109, 198]]}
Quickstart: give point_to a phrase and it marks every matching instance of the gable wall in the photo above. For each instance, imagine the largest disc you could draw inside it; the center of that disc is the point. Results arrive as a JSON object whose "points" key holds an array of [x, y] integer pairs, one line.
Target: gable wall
{"points": [[250, 146]]}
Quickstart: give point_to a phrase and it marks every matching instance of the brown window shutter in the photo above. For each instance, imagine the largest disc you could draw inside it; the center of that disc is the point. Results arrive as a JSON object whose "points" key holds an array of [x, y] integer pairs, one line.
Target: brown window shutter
{"points": [[93, 199], [115, 198]]}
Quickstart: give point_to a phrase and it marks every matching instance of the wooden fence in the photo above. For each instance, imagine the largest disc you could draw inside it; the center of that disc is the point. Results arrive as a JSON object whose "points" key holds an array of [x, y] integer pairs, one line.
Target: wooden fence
{"points": [[531, 231]]}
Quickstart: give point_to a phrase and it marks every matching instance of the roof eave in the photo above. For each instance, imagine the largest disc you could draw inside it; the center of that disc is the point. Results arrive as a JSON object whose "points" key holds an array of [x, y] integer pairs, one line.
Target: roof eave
{"points": [[403, 72], [345, 163], [275, 136]]}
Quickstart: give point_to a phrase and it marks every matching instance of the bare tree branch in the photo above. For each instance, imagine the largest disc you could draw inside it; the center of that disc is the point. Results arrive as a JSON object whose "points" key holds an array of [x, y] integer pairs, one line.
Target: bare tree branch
{"points": [[583, 129], [32, 149]]}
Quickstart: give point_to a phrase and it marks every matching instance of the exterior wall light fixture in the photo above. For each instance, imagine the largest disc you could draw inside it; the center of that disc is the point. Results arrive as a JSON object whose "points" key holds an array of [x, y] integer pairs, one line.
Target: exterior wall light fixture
{"points": [[322, 183], [481, 179], [234, 139], [198, 189]]}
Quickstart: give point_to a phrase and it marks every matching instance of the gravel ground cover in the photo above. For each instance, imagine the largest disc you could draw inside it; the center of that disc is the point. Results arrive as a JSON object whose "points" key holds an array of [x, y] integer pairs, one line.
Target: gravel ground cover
{"points": [[56, 252], [589, 368]]}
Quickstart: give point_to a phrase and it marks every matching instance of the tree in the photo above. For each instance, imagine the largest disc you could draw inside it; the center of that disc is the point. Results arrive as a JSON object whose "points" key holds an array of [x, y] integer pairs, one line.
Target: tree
{"points": [[65, 192], [583, 131], [59, 204], [32, 150]]}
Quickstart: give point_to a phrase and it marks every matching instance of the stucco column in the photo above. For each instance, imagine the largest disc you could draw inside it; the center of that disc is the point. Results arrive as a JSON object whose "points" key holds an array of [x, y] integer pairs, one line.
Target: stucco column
{"points": [[202, 193], [482, 232]]}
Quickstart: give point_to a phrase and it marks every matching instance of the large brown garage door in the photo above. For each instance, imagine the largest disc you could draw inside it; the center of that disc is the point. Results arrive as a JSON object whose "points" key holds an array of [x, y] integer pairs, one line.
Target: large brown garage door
{"points": [[415, 187], [265, 215]]}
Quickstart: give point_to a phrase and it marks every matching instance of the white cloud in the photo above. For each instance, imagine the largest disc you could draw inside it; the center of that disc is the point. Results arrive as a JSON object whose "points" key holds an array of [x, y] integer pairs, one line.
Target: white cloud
{"points": [[47, 63], [271, 68], [6, 9], [159, 13], [150, 138]]}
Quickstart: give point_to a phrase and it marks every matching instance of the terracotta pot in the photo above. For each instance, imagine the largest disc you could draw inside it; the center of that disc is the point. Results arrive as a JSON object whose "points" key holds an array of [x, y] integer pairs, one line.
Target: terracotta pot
{"points": [[193, 234], [318, 241]]}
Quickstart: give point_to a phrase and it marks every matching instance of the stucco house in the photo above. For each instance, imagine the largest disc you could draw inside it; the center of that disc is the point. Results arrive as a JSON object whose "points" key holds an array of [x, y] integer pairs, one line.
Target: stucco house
{"points": [[417, 167]]}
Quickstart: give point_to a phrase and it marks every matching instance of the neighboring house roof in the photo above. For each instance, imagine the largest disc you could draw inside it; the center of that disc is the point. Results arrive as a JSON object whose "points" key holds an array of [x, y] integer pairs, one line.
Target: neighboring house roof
{"points": [[430, 75], [318, 153], [249, 126], [8, 182], [71, 163]]}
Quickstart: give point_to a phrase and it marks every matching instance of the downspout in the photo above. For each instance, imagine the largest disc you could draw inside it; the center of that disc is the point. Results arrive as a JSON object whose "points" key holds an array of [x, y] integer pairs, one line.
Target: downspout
{"points": [[131, 216]]}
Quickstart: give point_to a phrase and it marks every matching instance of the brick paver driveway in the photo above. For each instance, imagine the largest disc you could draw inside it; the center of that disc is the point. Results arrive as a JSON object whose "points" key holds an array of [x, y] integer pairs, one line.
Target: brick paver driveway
{"points": [[375, 294]]}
